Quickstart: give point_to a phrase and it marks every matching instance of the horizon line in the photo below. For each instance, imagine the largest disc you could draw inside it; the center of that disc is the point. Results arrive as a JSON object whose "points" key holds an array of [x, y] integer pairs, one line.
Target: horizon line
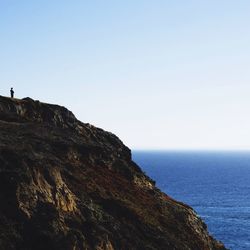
{"points": [[192, 149]]}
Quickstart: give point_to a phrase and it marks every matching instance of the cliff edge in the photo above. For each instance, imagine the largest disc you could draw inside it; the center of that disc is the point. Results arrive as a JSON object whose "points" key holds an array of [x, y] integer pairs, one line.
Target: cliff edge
{"points": [[68, 185]]}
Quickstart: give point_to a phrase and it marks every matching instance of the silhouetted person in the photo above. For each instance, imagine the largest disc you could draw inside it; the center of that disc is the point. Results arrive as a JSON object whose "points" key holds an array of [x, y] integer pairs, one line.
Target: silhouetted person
{"points": [[12, 93]]}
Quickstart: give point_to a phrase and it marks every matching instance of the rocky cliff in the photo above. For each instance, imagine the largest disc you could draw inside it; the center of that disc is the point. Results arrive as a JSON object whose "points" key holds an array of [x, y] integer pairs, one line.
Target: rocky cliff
{"points": [[69, 185]]}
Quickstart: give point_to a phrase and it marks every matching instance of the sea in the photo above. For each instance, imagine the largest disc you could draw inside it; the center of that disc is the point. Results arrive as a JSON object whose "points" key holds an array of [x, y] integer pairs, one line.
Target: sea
{"points": [[215, 184]]}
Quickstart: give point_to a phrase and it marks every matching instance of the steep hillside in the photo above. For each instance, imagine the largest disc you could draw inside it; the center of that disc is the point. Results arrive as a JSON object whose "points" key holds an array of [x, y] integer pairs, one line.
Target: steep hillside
{"points": [[68, 185]]}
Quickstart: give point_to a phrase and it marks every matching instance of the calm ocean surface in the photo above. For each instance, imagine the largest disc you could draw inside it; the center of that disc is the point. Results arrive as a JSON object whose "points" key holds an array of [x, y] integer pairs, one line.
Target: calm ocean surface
{"points": [[215, 184]]}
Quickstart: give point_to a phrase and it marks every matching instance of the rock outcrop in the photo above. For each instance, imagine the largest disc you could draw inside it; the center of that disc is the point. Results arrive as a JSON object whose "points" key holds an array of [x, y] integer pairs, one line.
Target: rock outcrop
{"points": [[69, 185]]}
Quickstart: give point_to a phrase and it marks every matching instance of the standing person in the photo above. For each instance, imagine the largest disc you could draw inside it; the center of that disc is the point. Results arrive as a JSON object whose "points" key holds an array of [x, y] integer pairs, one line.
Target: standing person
{"points": [[12, 93]]}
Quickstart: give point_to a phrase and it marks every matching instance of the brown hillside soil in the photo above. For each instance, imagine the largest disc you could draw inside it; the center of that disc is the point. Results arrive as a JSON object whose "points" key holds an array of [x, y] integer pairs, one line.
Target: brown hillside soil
{"points": [[69, 185]]}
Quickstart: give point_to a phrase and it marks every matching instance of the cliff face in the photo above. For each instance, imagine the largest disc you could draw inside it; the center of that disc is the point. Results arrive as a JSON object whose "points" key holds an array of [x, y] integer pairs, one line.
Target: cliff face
{"points": [[69, 185]]}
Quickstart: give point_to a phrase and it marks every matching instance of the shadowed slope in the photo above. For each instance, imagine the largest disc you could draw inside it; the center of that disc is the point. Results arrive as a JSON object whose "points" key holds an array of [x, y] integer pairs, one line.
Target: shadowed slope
{"points": [[69, 185]]}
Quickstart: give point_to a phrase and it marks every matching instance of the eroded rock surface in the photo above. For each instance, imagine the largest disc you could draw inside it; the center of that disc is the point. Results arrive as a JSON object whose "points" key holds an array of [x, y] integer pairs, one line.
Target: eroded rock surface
{"points": [[69, 185]]}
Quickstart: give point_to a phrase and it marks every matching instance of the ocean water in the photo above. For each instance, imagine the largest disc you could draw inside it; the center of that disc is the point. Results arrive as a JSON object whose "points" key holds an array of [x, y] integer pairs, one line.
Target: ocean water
{"points": [[215, 184]]}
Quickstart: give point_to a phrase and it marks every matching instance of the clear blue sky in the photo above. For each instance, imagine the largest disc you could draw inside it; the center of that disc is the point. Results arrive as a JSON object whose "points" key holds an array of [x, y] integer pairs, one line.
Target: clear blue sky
{"points": [[159, 74]]}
